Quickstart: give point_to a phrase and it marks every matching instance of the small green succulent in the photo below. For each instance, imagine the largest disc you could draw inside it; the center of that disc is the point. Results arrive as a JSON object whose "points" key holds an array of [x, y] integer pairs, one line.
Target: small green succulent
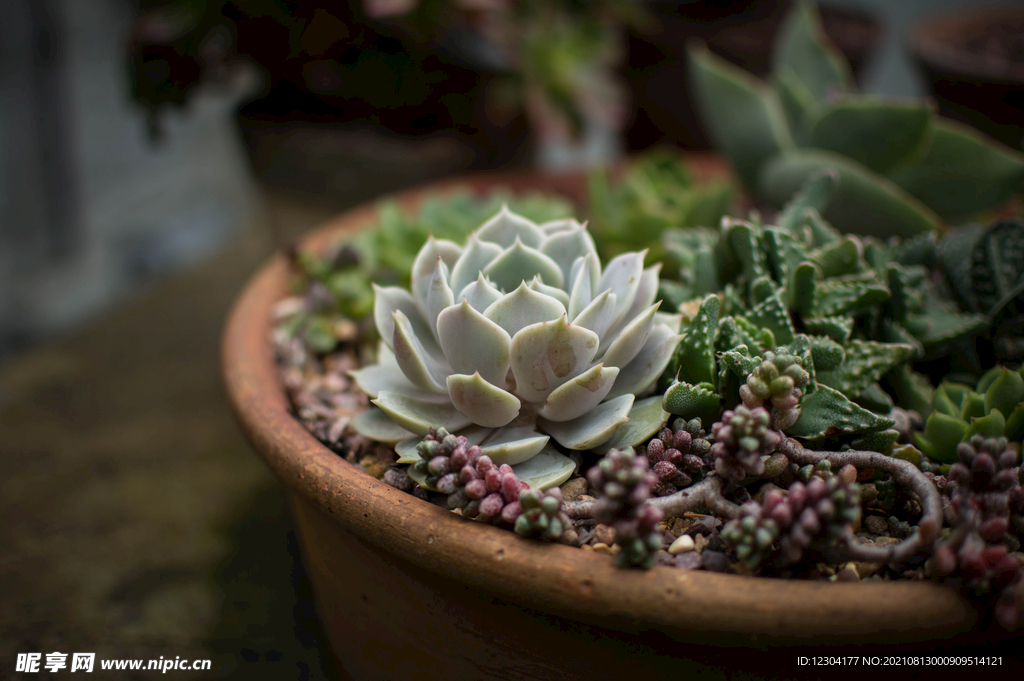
{"points": [[517, 338], [994, 408], [902, 169]]}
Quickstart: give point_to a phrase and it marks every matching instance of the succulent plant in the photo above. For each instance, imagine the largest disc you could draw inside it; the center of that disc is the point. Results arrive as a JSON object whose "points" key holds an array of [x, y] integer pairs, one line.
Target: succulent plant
{"points": [[995, 408], [677, 454], [901, 168], [776, 383], [540, 515], [794, 519], [624, 483], [517, 338], [742, 437]]}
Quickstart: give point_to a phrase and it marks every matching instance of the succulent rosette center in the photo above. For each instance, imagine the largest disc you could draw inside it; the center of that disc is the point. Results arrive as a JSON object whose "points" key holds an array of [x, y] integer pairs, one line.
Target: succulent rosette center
{"points": [[516, 338]]}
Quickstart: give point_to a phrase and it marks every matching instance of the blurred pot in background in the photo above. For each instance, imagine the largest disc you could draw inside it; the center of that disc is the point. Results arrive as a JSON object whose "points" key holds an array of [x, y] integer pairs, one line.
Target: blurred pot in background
{"points": [[973, 62]]}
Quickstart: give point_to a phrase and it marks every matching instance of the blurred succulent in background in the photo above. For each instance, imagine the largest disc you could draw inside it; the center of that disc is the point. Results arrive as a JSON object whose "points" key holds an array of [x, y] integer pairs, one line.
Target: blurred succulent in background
{"points": [[902, 169], [518, 337], [655, 193]]}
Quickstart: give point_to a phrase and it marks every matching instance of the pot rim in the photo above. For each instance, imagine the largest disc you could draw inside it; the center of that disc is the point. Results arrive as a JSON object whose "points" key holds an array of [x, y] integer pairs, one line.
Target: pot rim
{"points": [[560, 580], [929, 39]]}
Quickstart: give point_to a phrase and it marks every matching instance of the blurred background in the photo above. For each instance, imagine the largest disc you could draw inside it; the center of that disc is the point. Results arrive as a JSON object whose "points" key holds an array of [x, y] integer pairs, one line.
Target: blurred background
{"points": [[154, 152]]}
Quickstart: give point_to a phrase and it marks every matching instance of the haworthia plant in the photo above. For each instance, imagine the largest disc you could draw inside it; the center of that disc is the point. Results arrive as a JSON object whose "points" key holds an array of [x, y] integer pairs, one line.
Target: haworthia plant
{"points": [[901, 169]]}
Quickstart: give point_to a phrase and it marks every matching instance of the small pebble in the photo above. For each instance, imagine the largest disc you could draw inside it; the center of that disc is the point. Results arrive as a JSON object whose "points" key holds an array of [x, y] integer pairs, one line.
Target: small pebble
{"points": [[573, 489], [700, 542], [847, 574], [714, 561], [682, 545], [876, 524], [600, 547], [604, 534], [680, 526], [689, 561]]}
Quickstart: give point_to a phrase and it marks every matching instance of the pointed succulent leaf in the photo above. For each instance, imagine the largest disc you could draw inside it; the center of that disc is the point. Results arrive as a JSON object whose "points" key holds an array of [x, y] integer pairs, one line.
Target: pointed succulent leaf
{"points": [[995, 275], [865, 362], [513, 444], [816, 193], [972, 407], [673, 321], [391, 298], [480, 294], [473, 343], [646, 419], [865, 202], [875, 398], [734, 331], [962, 173], [471, 262], [913, 390], [838, 327], [1005, 392], [628, 342], [585, 279], [740, 361], [419, 416], [827, 356], [439, 295], [425, 264], [878, 441], [481, 402], [520, 263], [547, 354], [376, 425], [773, 315], [650, 363], [694, 359], [593, 428], [992, 424], [373, 378], [803, 47], [843, 296], [425, 372], [523, 307], [800, 291], [878, 133], [408, 450], [558, 294], [579, 395], [839, 258], [505, 227], [827, 413], [948, 398], [742, 115], [598, 315], [565, 246], [798, 103], [1015, 424], [693, 401], [942, 433], [547, 469], [941, 325], [622, 276], [745, 242], [552, 227]]}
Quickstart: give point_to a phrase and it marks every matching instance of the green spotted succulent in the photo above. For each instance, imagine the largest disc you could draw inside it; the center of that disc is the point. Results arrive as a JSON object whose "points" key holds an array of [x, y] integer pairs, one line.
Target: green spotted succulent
{"points": [[515, 339], [903, 169]]}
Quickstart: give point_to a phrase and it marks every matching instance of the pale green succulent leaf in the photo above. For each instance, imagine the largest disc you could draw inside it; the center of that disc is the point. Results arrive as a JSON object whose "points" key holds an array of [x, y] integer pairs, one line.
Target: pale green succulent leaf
{"points": [[565, 246], [439, 295], [547, 354], [803, 47], [593, 428], [585, 277], [631, 339], [742, 115], [650, 363], [425, 264], [520, 263], [797, 103], [391, 298], [425, 372], [385, 356], [376, 425], [878, 133], [673, 321], [547, 469], [481, 402], [475, 256], [552, 227], [407, 449], [473, 343], [373, 378], [598, 315], [505, 227], [962, 173], [558, 294], [417, 415], [523, 307], [622, 276], [579, 395], [1005, 393], [992, 424], [480, 294], [864, 202], [646, 418], [513, 444]]}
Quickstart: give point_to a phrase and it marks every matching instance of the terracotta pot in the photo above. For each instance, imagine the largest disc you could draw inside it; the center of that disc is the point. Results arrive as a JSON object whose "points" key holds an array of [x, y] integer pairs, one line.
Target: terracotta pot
{"points": [[972, 61], [407, 590]]}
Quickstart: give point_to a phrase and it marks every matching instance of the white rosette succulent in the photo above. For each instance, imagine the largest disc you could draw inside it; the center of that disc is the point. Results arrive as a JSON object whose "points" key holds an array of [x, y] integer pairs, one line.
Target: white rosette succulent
{"points": [[515, 339]]}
